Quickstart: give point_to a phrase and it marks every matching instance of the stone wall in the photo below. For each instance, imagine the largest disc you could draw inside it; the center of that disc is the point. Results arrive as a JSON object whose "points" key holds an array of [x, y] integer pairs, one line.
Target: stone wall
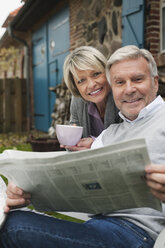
{"points": [[61, 112], [96, 23]]}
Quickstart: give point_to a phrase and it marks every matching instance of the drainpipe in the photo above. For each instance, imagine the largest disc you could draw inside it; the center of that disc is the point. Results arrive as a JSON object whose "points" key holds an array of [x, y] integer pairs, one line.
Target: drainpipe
{"points": [[27, 57]]}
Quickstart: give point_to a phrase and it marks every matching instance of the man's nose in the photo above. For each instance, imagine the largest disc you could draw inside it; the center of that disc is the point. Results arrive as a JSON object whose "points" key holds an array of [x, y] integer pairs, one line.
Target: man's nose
{"points": [[129, 87]]}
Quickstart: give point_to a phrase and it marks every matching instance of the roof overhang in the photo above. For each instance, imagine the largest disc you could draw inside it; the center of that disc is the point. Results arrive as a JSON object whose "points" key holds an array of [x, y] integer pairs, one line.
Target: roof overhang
{"points": [[31, 12]]}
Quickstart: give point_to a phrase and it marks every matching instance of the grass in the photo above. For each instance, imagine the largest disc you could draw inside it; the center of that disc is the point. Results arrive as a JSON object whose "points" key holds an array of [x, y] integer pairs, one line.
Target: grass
{"points": [[18, 141], [21, 147]]}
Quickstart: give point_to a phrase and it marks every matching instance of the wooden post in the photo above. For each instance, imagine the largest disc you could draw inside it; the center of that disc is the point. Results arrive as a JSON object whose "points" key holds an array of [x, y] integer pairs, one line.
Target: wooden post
{"points": [[6, 105], [18, 104], [1, 105]]}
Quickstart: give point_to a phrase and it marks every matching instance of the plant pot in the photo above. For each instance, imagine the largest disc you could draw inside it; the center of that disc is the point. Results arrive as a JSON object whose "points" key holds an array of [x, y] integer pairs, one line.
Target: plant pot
{"points": [[43, 144]]}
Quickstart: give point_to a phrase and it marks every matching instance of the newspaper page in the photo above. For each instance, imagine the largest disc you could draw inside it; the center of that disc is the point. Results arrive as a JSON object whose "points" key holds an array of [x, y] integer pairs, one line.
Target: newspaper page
{"points": [[2, 201], [95, 181]]}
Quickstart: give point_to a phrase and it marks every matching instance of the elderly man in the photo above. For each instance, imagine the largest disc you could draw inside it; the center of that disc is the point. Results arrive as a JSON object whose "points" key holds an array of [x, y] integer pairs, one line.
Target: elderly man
{"points": [[132, 74]]}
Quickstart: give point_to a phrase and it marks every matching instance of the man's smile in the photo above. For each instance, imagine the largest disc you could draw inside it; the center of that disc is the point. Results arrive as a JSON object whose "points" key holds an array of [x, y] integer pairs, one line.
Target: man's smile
{"points": [[137, 100]]}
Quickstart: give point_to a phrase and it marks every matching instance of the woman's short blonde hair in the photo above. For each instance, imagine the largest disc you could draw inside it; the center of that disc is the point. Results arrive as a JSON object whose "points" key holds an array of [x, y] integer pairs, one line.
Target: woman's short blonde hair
{"points": [[82, 58]]}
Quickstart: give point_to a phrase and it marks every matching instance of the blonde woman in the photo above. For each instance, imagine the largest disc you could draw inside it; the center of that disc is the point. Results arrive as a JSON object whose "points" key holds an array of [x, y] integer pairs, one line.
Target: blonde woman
{"points": [[92, 104]]}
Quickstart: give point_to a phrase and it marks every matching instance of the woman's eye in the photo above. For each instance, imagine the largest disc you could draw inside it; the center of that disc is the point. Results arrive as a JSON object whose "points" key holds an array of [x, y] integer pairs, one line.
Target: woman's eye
{"points": [[81, 81], [95, 74]]}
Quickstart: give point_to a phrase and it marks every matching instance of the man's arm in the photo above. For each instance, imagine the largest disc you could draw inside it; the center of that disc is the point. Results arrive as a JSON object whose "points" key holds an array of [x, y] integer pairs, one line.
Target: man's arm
{"points": [[16, 197], [155, 175]]}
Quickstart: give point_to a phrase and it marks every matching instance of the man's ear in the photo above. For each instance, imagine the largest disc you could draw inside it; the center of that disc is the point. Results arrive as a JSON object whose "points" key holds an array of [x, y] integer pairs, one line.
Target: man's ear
{"points": [[156, 83]]}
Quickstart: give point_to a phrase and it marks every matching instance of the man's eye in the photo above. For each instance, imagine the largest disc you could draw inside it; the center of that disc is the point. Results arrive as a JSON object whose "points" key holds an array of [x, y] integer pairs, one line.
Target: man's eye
{"points": [[138, 79], [119, 82]]}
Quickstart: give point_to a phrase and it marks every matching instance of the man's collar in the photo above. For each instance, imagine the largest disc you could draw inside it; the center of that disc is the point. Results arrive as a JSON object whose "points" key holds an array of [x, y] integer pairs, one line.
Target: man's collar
{"points": [[154, 105]]}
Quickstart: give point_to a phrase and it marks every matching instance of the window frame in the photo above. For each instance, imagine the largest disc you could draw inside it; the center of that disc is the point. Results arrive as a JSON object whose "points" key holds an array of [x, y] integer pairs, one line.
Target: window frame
{"points": [[162, 27]]}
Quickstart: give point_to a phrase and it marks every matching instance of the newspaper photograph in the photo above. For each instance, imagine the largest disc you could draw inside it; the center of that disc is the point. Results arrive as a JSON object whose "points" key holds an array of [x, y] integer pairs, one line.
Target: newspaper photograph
{"points": [[95, 181]]}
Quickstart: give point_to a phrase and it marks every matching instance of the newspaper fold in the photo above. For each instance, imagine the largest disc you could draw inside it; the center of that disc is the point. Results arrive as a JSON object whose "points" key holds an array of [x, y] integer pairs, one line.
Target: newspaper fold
{"points": [[93, 181]]}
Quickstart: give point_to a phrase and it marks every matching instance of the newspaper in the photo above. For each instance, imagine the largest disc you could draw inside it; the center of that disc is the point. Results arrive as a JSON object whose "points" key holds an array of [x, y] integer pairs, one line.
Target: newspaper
{"points": [[2, 201], [95, 181]]}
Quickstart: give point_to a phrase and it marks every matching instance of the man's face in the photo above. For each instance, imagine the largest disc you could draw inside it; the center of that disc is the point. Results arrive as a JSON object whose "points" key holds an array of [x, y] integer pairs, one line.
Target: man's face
{"points": [[132, 86]]}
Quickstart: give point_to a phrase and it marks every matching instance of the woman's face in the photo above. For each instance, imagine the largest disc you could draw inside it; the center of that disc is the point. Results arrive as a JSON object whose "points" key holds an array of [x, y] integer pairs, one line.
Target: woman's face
{"points": [[92, 85]]}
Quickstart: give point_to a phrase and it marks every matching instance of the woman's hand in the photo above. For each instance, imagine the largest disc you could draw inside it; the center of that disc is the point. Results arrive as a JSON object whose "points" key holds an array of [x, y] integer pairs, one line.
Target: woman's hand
{"points": [[83, 144], [155, 175], [16, 197]]}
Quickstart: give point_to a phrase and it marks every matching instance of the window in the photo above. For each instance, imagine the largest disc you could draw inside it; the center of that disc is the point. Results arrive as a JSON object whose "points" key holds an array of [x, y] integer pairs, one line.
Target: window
{"points": [[162, 26]]}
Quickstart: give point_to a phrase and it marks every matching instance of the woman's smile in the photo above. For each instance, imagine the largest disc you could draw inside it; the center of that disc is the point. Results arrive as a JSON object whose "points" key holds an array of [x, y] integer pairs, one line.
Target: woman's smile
{"points": [[96, 92]]}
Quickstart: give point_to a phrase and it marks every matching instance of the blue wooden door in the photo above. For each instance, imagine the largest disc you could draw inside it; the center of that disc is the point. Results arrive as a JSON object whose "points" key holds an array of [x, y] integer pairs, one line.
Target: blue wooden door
{"points": [[50, 47], [58, 48], [40, 75], [133, 23]]}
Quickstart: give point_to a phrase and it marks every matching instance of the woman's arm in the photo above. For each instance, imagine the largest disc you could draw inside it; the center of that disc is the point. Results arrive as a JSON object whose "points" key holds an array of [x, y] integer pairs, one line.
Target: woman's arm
{"points": [[83, 144]]}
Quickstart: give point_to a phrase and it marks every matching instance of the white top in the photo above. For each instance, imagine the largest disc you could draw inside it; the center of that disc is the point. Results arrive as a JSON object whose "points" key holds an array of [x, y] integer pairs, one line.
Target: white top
{"points": [[149, 109]]}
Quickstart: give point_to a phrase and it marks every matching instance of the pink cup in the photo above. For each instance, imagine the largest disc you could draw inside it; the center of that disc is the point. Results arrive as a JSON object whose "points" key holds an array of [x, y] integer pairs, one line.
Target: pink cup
{"points": [[68, 135]]}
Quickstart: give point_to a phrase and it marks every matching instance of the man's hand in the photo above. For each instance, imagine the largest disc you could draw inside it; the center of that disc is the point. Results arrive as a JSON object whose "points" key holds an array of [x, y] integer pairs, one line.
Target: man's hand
{"points": [[155, 175], [16, 197], [83, 144]]}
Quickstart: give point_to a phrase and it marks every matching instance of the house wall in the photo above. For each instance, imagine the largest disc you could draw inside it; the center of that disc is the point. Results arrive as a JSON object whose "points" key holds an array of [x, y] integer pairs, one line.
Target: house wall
{"points": [[96, 23], [92, 22], [153, 31], [99, 24], [152, 27], [153, 36]]}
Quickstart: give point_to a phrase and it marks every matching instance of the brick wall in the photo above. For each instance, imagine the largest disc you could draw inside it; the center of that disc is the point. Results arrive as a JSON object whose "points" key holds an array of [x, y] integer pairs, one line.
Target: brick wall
{"points": [[152, 38], [153, 31], [152, 25]]}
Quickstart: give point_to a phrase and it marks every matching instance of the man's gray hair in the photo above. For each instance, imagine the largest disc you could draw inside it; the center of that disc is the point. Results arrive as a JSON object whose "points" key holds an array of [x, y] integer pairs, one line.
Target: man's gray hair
{"points": [[131, 52]]}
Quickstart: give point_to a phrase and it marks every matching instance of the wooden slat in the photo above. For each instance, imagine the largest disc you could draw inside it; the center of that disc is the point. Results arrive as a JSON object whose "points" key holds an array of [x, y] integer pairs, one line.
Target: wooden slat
{"points": [[18, 104], [12, 105], [1, 105], [6, 105]]}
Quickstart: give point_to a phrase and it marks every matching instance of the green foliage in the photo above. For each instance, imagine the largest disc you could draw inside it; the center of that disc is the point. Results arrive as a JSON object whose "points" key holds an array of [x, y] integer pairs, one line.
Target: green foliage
{"points": [[5, 179], [8, 58], [21, 147], [64, 217], [61, 216]]}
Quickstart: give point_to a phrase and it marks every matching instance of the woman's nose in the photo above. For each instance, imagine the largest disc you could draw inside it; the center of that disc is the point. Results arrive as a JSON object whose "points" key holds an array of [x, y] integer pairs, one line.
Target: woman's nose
{"points": [[91, 82]]}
